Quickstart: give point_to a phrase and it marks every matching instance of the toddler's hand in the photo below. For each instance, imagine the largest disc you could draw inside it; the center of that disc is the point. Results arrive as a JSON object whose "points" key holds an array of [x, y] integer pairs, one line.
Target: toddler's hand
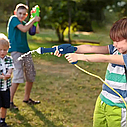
{"points": [[7, 76]]}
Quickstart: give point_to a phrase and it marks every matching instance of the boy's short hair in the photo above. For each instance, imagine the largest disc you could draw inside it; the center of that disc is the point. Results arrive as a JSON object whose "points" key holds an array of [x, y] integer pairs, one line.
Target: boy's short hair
{"points": [[4, 42], [21, 6], [118, 31]]}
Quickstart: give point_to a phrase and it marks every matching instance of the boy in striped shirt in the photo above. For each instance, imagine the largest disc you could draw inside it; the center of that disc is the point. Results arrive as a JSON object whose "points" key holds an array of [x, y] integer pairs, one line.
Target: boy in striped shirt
{"points": [[110, 111]]}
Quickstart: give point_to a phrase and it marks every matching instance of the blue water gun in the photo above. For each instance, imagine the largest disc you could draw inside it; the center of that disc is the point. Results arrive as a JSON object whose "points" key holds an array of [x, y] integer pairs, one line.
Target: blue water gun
{"points": [[63, 49], [34, 12]]}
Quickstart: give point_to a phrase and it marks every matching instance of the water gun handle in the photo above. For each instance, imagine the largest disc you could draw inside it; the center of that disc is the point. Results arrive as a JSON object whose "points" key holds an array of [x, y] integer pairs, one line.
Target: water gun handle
{"points": [[74, 62], [35, 12]]}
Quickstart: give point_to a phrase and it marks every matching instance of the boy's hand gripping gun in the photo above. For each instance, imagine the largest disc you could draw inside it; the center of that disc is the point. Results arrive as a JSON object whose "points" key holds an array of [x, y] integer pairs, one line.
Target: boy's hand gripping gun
{"points": [[34, 12], [63, 49]]}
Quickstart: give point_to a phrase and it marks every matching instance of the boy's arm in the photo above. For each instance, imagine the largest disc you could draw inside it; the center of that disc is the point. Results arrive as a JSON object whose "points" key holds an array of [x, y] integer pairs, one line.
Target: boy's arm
{"points": [[28, 25], [116, 59], [88, 49], [92, 49], [37, 29]]}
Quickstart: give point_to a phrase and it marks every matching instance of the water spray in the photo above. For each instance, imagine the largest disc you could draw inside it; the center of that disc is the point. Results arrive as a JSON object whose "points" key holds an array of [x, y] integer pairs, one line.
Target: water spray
{"points": [[63, 49]]}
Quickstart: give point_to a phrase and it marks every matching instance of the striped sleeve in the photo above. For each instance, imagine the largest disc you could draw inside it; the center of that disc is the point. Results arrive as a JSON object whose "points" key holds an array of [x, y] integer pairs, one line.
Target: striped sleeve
{"points": [[111, 49], [125, 59]]}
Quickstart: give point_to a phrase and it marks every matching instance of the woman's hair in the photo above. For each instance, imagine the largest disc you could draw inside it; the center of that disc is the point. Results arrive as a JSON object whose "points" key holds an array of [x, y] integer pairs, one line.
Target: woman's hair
{"points": [[118, 32], [4, 42], [21, 6]]}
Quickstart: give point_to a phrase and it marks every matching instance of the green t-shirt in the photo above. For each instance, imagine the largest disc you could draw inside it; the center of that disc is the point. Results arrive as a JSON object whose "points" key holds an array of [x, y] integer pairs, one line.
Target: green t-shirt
{"points": [[17, 38]]}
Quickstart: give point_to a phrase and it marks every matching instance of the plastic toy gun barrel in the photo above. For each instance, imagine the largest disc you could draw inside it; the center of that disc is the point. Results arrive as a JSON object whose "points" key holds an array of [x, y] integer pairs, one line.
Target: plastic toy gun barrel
{"points": [[63, 49]]}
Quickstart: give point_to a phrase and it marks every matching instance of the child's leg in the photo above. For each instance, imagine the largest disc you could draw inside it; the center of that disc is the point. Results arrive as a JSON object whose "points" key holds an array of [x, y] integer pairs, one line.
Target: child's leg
{"points": [[116, 116], [29, 75], [99, 119], [5, 102], [3, 113], [13, 90], [28, 88], [108, 116], [3, 116]]}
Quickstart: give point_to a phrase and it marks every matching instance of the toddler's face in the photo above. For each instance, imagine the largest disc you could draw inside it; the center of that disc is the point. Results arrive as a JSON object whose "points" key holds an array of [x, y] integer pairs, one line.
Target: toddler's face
{"points": [[121, 46], [3, 52], [21, 14]]}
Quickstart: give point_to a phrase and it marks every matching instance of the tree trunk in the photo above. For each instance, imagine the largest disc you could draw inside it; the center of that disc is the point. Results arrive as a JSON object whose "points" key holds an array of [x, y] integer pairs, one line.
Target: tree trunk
{"points": [[58, 34], [27, 3], [62, 36], [69, 22]]}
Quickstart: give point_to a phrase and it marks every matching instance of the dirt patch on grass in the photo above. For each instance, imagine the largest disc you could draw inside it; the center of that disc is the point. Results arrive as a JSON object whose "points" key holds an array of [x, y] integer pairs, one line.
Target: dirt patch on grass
{"points": [[47, 66]]}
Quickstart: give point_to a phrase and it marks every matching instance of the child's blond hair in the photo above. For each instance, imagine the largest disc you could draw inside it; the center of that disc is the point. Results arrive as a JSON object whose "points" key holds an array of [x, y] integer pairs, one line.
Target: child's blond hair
{"points": [[4, 42]]}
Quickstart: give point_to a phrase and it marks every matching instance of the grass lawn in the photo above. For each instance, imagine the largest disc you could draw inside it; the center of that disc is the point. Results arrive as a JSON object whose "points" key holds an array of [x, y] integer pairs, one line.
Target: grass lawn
{"points": [[67, 95]]}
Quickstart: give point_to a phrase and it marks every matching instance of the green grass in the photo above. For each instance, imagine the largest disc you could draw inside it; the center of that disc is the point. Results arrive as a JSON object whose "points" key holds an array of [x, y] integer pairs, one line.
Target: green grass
{"points": [[67, 95], [3, 28]]}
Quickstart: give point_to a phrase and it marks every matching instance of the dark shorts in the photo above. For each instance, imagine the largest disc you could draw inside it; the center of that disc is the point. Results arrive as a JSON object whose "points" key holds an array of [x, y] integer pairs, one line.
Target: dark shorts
{"points": [[5, 98]]}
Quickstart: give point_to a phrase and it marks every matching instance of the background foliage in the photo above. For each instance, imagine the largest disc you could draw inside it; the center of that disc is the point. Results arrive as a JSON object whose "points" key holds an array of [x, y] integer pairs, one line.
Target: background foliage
{"points": [[82, 15]]}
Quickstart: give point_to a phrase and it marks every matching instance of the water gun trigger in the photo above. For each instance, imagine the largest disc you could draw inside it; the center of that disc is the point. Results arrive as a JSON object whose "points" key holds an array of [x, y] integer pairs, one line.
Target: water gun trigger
{"points": [[66, 48]]}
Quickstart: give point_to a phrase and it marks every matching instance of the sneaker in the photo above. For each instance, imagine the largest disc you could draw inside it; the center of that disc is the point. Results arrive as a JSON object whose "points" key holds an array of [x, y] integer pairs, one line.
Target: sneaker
{"points": [[31, 102], [13, 106], [3, 124]]}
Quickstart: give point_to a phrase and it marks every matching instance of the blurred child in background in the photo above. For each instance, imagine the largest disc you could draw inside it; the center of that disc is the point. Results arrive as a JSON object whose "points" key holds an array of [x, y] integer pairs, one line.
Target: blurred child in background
{"points": [[6, 67], [17, 35]]}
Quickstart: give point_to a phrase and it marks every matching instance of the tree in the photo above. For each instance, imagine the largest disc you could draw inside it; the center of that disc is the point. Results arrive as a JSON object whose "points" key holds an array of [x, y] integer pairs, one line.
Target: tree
{"points": [[57, 16], [7, 8], [63, 13], [69, 20]]}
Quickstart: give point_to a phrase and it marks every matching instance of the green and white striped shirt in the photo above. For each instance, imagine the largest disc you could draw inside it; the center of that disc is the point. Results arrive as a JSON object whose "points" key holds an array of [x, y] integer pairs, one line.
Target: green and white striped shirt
{"points": [[116, 78]]}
